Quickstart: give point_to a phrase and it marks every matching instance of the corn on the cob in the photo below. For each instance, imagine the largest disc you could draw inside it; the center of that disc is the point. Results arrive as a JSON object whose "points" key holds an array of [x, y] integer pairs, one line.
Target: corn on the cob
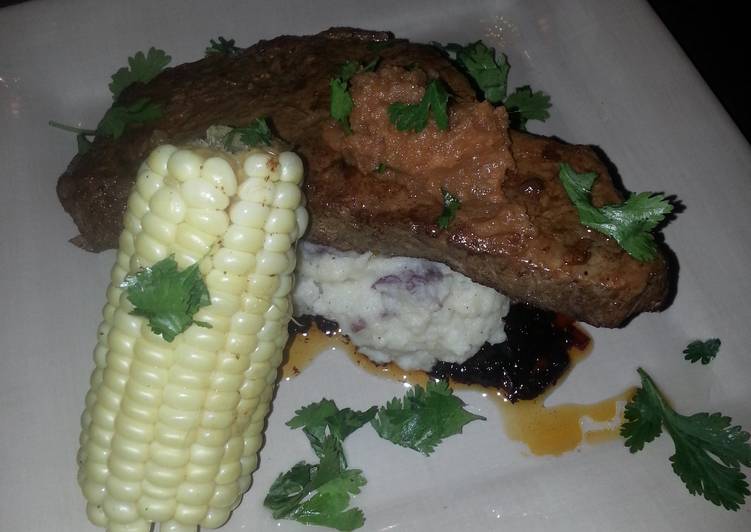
{"points": [[171, 431]]}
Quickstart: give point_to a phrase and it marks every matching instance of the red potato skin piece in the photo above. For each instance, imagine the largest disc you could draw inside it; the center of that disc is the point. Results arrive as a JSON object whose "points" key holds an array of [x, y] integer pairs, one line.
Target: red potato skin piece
{"points": [[516, 231]]}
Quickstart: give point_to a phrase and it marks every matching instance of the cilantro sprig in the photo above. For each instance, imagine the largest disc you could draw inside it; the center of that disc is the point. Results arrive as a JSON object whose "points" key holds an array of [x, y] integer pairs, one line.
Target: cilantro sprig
{"points": [[223, 46], [490, 74], [629, 223], [141, 68], [423, 418], [709, 450], [318, 494], [451, 205], [414, 116], [257, 133], [702, 350], [168, 298]]}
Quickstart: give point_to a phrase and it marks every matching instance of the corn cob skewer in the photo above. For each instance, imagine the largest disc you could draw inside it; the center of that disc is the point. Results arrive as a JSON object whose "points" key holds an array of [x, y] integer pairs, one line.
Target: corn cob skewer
{"points": [[171, 431]]}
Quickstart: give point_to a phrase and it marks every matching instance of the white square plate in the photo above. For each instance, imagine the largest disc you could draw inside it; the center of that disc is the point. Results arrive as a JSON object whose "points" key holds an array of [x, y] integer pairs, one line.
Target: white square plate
{"points": [[616, 80]]}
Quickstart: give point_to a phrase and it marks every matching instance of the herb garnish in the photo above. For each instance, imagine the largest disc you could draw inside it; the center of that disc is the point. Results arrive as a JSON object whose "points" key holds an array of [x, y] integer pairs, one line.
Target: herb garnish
{"points": [[341, 101], [380, 168], [423, 418], [324, 419], [524, 105], [142, 68], [709, 451], [256, 133], [451, 204], [223, 46], [168, 298], [318, 494], [414, 116], [490, 74], [114, 121], [629, 223], [702, 350], [118, 116]]}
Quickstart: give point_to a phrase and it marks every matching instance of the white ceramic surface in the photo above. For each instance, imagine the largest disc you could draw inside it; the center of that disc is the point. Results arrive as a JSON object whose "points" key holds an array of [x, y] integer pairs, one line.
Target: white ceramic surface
{"points": [[616, 79]]}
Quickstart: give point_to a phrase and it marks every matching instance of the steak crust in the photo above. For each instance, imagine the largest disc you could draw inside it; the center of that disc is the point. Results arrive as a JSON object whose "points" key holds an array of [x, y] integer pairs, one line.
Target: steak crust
{"points": [[516, 231]]}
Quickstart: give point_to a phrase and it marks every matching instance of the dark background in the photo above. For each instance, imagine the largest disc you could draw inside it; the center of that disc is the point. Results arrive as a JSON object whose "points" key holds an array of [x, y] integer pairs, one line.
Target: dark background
{"points": [[710, 33]]}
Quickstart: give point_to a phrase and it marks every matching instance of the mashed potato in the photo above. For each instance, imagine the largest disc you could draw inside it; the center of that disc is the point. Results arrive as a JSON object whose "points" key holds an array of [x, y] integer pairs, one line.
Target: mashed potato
{"points": [[409, 311]]}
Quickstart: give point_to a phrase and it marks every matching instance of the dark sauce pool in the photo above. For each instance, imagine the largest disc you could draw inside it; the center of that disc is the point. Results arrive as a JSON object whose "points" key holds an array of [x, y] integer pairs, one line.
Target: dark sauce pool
{"points": [[534, 356]]}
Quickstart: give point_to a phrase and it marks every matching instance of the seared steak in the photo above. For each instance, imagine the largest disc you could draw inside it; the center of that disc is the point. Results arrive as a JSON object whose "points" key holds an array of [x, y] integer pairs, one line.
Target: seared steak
{"points": [[516, 230]]}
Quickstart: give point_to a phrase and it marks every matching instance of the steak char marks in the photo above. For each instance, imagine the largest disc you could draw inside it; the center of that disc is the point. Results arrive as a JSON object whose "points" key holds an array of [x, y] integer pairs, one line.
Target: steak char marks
{"points": [[515, 231]]}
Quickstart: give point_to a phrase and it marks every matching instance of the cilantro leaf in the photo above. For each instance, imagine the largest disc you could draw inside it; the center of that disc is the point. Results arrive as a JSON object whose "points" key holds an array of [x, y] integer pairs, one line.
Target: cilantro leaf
{"points": [[348, 70], [289, 489], [524, 105], [313, 415], [223, 46], [709, 451], [328, 507], [414, 116], [341, 102], [324, 420], [167, 297], [117, 117], [629, 223], [141, 68], [380, 168], [346, 421], [256, 133], [423, 418], [451, 204], [490, 74], [643, 420], [318, 494], [702, 350], [578, 187]]}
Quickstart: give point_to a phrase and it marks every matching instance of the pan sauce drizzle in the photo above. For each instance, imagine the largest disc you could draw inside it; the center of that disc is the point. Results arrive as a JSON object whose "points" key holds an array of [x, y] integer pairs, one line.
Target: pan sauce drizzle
{"points": [[545, 430]]}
